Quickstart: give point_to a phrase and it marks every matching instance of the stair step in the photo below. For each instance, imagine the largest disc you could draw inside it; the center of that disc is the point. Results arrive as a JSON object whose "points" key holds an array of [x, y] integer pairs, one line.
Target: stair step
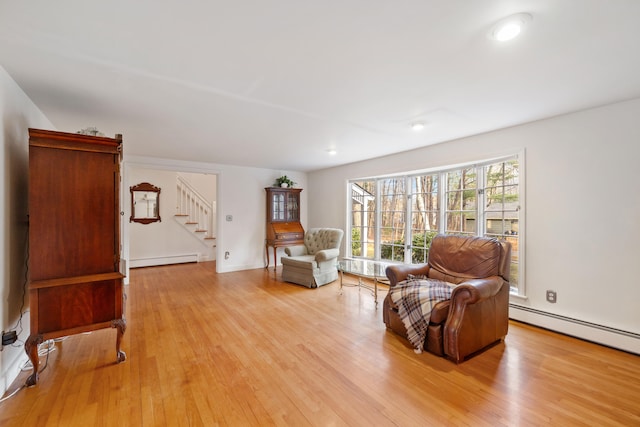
{"points": [[202, 210]]}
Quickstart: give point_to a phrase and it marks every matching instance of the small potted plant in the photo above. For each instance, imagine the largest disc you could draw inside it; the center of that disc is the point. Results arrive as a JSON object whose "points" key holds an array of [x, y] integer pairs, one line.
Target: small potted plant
{"points": [[284, 182]]}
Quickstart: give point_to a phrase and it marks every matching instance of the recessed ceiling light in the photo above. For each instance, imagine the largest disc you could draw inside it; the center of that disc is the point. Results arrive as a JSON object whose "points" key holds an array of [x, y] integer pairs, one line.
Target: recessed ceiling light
{"points": [[417, 126], [509, 27], [332, 151]]}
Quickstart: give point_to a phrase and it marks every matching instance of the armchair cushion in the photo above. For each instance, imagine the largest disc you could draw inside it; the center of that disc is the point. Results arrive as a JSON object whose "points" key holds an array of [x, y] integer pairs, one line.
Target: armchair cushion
{"points": [[306, 262]]}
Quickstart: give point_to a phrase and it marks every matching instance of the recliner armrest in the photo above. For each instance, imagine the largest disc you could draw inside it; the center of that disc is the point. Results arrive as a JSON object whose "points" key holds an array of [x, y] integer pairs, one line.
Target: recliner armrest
{"points": [[296, 250], [327, 254], [474, 290], [478, 316], [399, 272]]}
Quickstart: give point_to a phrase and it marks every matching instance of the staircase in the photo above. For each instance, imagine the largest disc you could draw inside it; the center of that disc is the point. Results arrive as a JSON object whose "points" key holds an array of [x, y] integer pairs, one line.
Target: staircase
{"points": [[194, 212]]}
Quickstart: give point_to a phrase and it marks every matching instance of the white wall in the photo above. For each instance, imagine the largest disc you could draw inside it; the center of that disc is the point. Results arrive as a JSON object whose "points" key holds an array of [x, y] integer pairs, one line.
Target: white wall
{"points": [[582, 208], [240, 193], [161, 242], [18, 114]]}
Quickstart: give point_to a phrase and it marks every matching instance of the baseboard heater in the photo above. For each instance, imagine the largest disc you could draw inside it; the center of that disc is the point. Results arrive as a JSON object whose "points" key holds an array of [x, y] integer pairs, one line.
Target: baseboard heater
{"points": [[588, 331], [164, 260]]}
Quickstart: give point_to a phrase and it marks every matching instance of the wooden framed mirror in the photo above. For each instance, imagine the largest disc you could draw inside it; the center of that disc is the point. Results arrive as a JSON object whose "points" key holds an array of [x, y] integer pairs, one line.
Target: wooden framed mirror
{"points": [[145, 203]]}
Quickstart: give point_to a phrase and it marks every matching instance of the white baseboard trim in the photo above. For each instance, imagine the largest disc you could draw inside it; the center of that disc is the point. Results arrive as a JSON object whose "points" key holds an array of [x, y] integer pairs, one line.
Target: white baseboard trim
{"points": [[164, 260], [14, 369], [611, 337]]}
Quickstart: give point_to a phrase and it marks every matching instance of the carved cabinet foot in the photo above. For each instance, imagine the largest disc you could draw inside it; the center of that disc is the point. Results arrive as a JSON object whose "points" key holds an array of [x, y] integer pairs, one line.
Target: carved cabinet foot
{"points": [[121, 327], [31, 348]]}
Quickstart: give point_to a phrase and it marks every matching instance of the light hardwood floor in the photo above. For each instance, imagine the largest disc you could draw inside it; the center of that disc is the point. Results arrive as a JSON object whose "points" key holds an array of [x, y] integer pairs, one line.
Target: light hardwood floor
{"points": [[245, 349]]}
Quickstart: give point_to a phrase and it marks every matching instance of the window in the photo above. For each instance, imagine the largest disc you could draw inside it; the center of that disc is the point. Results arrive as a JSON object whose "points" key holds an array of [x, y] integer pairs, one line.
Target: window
{"points": [[501, 201], [393, 211], [395, 218], [363, 221], [461, 196], [425, 215]]}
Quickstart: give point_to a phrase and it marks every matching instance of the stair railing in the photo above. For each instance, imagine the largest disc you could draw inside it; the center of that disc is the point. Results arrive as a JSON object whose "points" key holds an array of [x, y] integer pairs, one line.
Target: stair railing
{"points": [[197, 208]]}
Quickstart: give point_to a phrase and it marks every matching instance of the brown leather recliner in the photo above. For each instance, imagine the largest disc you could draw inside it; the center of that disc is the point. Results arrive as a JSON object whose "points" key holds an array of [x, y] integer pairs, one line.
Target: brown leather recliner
{"points": [[477, 314]]}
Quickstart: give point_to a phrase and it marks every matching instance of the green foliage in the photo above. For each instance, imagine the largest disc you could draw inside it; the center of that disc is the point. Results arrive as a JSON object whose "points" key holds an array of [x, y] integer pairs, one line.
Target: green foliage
{"points": [[391, 252], [420, 245], [284, 179], [356, 245]]}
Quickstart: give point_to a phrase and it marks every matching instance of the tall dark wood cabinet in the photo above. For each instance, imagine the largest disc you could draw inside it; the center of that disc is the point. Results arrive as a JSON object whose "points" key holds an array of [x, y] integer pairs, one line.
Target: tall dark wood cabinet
{"points": [[74, 238], [283, 219]]}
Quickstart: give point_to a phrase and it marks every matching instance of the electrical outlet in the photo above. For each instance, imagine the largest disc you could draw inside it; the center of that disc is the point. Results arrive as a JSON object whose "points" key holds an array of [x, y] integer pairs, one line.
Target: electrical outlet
{"points": [[552, 297], [9, 338]]}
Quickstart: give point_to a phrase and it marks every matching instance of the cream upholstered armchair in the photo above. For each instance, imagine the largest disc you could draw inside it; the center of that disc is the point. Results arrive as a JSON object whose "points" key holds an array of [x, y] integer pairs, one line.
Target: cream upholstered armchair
{"points": [[314, 263]]}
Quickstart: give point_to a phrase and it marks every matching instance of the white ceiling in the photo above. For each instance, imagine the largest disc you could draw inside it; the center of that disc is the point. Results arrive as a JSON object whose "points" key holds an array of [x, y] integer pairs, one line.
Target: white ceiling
{"points": [[277, 83]]}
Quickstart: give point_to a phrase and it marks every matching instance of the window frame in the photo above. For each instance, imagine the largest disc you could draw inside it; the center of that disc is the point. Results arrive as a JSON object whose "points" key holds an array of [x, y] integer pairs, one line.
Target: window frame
{"points": [[481, 229]]}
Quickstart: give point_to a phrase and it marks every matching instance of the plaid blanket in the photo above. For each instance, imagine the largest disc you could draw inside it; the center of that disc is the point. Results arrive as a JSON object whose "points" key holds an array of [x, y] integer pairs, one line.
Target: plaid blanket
{"points": [[415, 299]]}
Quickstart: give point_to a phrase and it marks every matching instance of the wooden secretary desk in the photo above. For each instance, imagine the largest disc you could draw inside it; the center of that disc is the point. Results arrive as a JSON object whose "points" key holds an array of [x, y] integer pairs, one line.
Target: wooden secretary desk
{"points": [[74, 238], [283, 220]]}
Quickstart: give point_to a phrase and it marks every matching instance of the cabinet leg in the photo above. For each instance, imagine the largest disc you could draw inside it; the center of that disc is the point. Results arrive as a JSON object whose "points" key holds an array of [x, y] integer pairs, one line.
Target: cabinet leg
{"points": [[275, 258], [121, 327], [31, 348]]}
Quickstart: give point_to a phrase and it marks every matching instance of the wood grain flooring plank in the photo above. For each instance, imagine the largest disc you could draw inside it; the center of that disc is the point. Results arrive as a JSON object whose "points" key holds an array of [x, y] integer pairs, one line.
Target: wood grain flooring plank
{"points": [[246, 349]]}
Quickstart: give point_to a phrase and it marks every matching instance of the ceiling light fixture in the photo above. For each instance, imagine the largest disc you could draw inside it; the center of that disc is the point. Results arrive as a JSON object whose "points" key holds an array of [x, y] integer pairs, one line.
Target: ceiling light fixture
{"points": [[417, 126], [332, 151], [509, 27]]}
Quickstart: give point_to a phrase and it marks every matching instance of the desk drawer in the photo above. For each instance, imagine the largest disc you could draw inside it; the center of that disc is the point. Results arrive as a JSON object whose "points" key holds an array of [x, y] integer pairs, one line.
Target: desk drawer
{"points": [[289, 236]]}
